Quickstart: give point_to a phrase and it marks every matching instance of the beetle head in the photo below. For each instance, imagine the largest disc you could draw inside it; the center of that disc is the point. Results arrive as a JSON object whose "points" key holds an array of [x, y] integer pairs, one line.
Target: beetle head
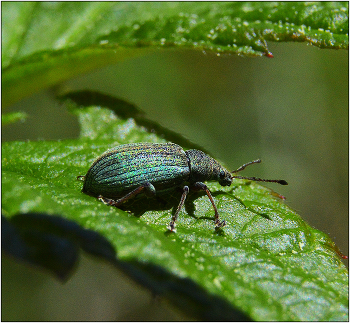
{"points": [[224, 177]]}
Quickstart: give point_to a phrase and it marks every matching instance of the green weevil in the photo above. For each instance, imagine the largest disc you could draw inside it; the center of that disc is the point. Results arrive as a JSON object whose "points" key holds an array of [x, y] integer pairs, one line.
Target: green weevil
{"points": [[125, 171]]}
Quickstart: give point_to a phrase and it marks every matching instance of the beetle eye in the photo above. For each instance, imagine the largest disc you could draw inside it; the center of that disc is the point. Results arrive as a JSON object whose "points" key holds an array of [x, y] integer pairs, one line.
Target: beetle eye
{"points": [[222, 174]]}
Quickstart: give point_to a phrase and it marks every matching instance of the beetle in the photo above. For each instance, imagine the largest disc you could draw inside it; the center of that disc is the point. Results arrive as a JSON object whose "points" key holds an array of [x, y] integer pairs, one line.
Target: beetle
{"points": [[127, 170]]}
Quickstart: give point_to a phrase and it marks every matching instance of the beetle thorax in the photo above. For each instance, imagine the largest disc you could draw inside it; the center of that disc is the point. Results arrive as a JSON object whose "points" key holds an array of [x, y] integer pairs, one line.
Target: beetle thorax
{"points": [[205, 168]]}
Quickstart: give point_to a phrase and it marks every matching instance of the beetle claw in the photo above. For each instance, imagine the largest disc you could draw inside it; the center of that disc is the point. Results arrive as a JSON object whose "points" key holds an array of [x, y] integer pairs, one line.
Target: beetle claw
{"points": [[220, 224], [171, 227]]}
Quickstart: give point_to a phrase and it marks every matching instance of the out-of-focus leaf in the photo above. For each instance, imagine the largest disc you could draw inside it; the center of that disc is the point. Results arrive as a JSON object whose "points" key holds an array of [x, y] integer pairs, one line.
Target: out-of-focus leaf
{"points": [[44, 43]]}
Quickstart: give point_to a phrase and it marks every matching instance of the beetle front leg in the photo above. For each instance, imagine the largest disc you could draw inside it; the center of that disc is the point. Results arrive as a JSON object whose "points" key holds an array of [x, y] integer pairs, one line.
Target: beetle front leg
{"points": [[148, 187], [171, 225], [203, 187]]}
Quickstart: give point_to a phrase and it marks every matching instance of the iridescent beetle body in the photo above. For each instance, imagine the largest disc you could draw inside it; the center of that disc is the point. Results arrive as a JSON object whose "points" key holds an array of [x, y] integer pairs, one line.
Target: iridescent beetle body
{"points": [[127, 170]]}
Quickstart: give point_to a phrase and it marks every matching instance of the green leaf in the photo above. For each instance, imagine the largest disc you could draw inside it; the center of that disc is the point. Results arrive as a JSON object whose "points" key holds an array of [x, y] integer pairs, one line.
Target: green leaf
{"points": [[267, 262], [13, 117], [45, 43]]}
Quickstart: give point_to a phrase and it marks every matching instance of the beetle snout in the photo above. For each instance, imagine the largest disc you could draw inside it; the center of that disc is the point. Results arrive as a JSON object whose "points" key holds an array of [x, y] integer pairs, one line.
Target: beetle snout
{"points": [[225, 178]]}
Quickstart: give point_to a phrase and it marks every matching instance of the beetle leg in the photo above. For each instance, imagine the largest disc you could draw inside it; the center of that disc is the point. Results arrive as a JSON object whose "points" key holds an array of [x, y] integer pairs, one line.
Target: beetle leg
{"points": [[147, 186], [171, 225], [202, 186]]}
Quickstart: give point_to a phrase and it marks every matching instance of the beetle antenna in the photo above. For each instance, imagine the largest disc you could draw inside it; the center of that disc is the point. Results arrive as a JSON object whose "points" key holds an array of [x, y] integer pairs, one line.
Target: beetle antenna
{"points": [[256, 179], [245, 165]]}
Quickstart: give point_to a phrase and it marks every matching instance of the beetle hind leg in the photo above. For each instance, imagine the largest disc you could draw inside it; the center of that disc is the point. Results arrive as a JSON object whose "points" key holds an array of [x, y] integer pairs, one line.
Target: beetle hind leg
{"points": [[147, 187]]}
